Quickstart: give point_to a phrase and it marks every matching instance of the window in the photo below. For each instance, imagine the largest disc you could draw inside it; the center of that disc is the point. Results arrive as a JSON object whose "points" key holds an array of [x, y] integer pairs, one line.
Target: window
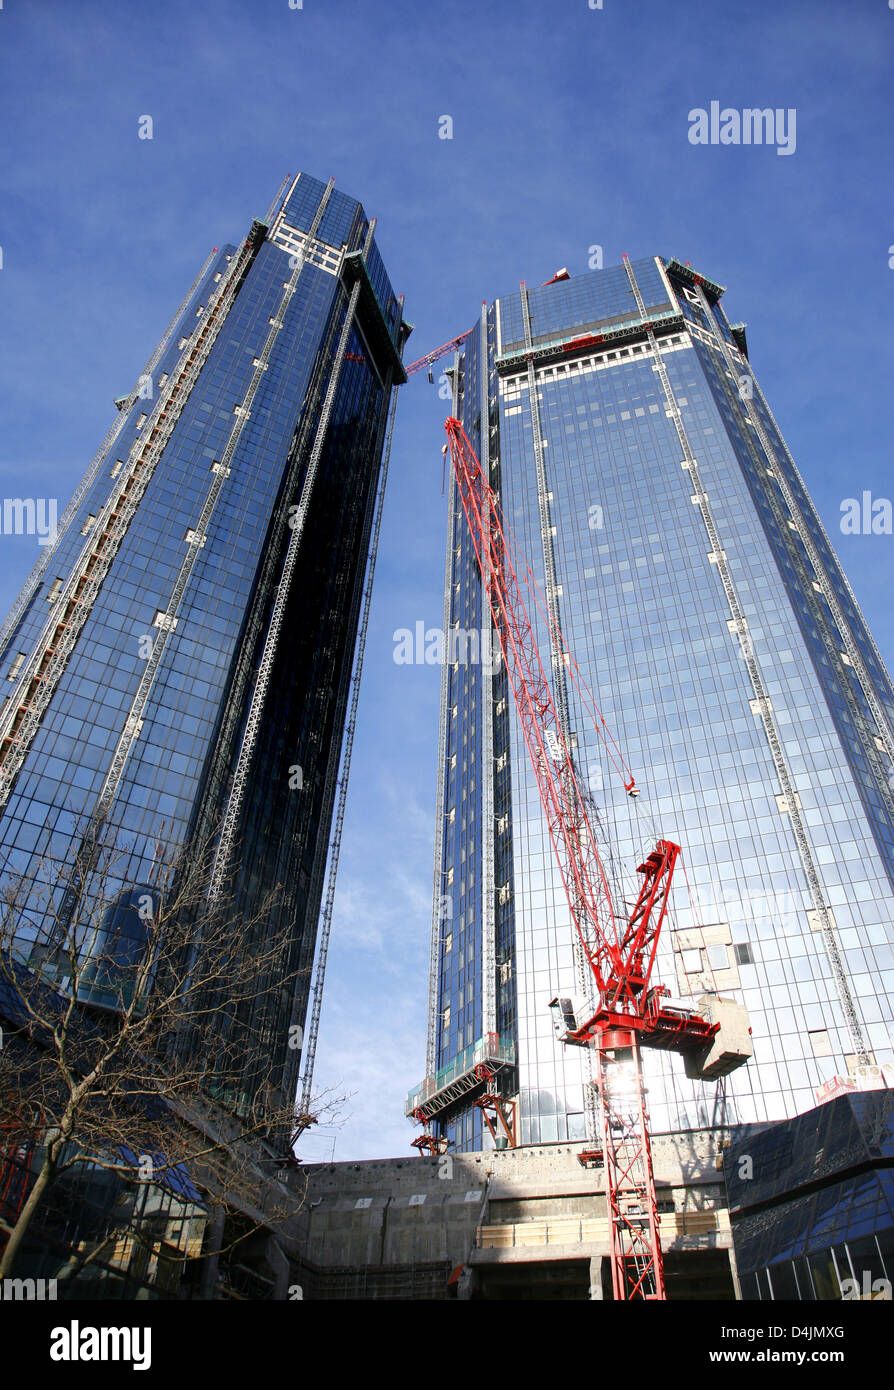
{"points": [[820, 1042], [718, 957], [782, 1280], [743, 953], [692, 961], [55, 588], [16, 666]]}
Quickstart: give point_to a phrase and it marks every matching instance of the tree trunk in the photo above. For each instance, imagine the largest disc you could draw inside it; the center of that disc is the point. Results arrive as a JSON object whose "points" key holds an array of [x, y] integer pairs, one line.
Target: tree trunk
{"points": [[19, 1230]]}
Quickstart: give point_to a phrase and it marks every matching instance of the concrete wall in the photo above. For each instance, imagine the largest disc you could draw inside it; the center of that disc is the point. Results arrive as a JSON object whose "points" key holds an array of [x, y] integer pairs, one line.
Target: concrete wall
{"points": [[401, 1227]]}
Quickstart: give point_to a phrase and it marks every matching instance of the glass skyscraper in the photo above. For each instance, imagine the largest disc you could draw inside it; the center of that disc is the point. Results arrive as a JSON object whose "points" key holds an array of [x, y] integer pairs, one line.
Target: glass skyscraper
{"points": [[650, 491], [179, 662]]}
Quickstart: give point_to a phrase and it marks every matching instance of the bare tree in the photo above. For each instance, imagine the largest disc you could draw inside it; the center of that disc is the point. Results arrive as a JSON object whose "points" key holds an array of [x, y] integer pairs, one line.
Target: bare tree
{"points": [[143, 1036]]}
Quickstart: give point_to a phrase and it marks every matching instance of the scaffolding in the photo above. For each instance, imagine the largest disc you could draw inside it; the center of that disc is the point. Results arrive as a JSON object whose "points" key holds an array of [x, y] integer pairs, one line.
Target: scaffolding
{"points": [[41, 672], [123, 406], [319, 975]]}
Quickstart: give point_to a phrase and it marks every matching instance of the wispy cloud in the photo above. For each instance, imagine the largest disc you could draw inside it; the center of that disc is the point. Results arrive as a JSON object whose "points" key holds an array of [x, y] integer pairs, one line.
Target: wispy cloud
{"points": [[555, 148]]}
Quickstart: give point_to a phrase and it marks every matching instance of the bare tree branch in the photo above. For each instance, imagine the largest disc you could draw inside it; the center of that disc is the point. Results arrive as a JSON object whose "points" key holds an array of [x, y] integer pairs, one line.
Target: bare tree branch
{"points": [[142, 1029]]}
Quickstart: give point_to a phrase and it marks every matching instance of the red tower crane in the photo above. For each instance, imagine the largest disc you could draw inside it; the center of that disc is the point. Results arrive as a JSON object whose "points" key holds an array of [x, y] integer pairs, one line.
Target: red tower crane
{"points": [[435, 355], [629, 1013]]}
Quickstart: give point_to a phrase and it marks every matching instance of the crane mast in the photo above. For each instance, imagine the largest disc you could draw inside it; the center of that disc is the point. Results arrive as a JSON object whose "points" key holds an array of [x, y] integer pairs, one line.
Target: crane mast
{"points": [[628, 1012]]}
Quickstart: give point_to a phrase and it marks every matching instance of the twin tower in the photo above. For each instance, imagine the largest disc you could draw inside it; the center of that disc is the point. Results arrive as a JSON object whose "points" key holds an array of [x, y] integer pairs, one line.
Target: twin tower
{"points": [[178, 667]]}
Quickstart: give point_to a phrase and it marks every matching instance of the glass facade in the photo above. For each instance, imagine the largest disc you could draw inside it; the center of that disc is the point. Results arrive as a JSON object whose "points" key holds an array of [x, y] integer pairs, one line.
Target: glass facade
{"points": [[812, 1202], [702, 601], [145, 1239], [134, 654]]}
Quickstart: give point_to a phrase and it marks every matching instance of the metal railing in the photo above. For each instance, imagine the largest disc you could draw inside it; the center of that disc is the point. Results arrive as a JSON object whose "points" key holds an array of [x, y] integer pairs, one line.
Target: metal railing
{"points": [[489, 1048]]}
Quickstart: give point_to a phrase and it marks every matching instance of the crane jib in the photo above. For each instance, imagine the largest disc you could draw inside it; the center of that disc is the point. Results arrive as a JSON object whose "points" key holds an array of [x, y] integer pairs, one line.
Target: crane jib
{"points": [[621, 966], [630, 1012]]}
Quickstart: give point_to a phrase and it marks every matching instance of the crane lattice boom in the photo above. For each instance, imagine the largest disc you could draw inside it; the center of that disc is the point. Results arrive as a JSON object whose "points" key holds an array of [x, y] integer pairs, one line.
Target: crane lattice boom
{"points": [[627, 1011], [621, 965], [436, 354]]}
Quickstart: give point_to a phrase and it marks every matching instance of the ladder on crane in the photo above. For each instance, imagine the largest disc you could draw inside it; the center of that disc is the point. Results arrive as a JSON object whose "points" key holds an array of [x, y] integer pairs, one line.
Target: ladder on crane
{"points": [[630, 1012]]}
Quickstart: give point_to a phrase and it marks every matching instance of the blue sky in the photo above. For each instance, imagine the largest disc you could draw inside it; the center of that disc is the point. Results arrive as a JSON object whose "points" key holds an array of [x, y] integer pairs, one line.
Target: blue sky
{"points": [[569, 129]]}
